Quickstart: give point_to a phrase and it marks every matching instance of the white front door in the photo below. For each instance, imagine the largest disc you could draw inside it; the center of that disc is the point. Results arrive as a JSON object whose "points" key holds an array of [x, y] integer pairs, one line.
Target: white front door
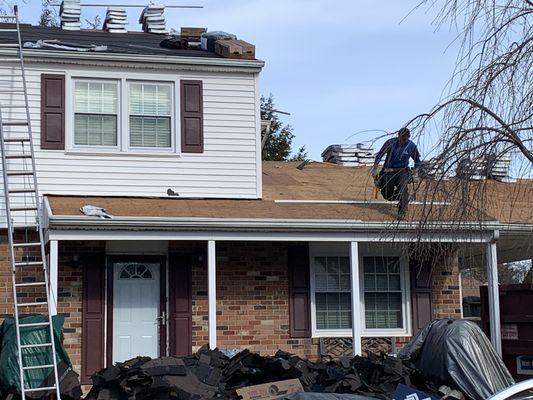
{"points": [[135, 310]]}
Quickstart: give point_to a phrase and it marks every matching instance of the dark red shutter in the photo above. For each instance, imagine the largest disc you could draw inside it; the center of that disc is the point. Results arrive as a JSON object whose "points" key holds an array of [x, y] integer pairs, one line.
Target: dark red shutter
{"points": [[180, 304], [93, 313], [421, 276], [192, 117], [52, 112], [299, 291]]}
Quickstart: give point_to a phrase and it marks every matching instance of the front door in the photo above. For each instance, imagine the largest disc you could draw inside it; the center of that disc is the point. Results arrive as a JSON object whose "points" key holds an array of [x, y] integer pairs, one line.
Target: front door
{"points": [[136, 301]]}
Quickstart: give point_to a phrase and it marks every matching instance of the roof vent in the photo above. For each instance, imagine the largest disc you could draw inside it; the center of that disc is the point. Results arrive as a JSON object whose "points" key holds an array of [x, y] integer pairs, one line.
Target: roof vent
{"points": [[153, 20], [70, 12], [349, 155], [115, 20]]}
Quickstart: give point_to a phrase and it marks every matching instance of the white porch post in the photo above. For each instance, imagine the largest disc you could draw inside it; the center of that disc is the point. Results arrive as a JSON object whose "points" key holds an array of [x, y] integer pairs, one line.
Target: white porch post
{"points": [[494, 296], [52, 276], [356, 305], [212, 293]]}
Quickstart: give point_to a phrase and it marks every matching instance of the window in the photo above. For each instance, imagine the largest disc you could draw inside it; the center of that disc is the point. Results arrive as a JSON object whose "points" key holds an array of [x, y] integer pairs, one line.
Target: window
{"points": [[383, 296], [150, 110], [95, 113], [135, 271], [332, 292]]}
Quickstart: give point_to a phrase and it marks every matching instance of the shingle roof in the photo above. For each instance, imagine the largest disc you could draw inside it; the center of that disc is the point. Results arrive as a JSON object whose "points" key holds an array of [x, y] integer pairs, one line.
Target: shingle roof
{"points": [[506, 202], [119, 43]]}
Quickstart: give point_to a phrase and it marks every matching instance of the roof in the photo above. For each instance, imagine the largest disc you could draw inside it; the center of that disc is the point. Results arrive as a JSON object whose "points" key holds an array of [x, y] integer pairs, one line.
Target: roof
{"points": [[319, 191], [117, 43]]}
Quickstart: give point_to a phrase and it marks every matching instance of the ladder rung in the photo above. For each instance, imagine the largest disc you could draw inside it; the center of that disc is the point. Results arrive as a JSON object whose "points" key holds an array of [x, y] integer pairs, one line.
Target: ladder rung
{"points": [[34, 324], [32, 346], [29, 244], [45, 366], [15, 123], [21, 191], [23, 209], [10, 45], [26, 284], [15, 140], [18, 173], [40, 389], [28, 263], [18, 156], [33, 304]]}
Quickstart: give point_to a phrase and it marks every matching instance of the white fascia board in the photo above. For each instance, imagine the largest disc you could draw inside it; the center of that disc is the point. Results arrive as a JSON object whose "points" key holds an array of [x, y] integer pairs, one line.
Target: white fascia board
{"points": [[66, 57]]}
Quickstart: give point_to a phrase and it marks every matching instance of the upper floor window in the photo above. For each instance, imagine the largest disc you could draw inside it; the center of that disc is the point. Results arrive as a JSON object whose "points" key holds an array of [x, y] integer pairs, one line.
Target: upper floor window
{"points": [[150, 115], [95, 113]]}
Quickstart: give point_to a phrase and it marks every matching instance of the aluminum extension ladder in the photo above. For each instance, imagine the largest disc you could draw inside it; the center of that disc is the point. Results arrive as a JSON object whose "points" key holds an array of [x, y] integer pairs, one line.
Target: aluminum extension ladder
{"points": [[24, 222]]}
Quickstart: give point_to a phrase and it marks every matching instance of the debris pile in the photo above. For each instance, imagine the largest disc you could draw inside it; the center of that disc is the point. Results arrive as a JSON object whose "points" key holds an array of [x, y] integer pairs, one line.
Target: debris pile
{"points": [[115, 20], [210, 374], [349, 155]]}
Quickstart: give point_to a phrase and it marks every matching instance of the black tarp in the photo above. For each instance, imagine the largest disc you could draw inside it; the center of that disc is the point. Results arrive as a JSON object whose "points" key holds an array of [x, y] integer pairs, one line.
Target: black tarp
{"points": [[458, 352]]}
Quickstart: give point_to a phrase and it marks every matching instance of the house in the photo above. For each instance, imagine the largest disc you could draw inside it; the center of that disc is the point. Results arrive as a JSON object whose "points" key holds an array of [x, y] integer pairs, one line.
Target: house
{"points": [[207, 244]]}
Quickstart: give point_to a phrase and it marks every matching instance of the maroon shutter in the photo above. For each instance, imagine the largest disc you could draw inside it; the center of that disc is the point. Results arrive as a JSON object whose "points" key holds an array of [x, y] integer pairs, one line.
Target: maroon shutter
{"points": [[180, 304], [299, 291], [93, 312], [192, 117], [421, 274], [52, 112]]}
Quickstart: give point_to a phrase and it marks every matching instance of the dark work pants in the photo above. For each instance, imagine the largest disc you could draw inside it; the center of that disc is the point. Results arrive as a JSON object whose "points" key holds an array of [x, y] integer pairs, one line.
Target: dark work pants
{"points": [[393, 187]]}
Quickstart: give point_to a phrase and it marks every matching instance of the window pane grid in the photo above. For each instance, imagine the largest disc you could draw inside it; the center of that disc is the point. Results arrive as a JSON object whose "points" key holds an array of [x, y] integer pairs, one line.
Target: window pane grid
{"points": [[150, 115], [95, 113], [382, 293]]}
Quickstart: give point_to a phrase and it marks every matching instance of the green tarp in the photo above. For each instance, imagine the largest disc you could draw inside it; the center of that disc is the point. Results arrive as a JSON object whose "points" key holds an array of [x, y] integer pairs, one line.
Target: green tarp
{"points": [[10, 376]]}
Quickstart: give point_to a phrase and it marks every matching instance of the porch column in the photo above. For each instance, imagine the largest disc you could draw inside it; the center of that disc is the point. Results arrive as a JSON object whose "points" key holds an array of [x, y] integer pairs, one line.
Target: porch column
{"points": [[356, 304], [212, 294], [494, 296], [52, 276]]}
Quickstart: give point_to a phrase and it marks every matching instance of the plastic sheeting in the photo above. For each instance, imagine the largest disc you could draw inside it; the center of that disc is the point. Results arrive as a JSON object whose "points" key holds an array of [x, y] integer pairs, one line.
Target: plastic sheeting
{"points": [[10, 377], [458, 352]]}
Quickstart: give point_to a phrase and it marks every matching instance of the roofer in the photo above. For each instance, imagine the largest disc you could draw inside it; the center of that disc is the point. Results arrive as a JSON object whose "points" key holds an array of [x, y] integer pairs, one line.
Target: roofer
{"points": [[392, 180]]}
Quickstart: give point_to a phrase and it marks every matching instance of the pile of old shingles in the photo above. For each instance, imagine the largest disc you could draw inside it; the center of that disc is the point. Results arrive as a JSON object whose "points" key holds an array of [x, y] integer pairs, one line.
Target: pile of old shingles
{"points": [[211, 374]]}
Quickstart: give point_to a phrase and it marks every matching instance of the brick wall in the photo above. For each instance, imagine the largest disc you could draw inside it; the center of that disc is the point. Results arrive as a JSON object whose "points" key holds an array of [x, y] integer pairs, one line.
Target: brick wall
{"points": [[446, 288]]}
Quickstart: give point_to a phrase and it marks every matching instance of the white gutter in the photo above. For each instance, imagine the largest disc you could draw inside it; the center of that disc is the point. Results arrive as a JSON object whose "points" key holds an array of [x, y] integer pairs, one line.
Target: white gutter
{"points": [[60, 57], [369, 201]]}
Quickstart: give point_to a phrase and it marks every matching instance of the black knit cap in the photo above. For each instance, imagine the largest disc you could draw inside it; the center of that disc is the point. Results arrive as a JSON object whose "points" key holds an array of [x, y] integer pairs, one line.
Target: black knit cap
{"points": [[404, 131]]}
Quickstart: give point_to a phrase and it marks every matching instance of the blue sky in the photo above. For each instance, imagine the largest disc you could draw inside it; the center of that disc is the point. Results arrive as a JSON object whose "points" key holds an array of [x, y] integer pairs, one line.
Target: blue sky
{"points": [[338, 67]]}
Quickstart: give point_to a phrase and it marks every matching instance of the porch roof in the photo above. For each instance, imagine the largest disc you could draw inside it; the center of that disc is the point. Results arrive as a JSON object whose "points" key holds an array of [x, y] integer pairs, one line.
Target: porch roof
{"points": [[318, 191]]}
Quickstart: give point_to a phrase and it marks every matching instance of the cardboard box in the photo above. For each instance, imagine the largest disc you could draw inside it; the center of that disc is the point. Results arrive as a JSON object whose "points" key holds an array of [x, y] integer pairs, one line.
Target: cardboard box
{"points": [[248, 50], [272, 390], [192, 32], [228, 49]]}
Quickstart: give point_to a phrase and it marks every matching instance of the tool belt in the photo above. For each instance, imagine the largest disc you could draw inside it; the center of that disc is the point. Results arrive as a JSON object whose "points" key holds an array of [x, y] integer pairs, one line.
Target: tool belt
{"points": [[393, 169]]}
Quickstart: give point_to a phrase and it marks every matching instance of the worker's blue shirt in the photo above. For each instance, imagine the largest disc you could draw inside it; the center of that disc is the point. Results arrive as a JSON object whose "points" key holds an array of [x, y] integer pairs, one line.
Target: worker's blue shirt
{"points": [[397, 155]]}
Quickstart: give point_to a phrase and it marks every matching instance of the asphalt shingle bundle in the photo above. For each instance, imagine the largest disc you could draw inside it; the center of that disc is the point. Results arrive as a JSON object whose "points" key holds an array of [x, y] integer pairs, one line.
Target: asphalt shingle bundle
{"points": [[349, 155], [115, 20], [211, 374], [70, 14], [153, 20]]}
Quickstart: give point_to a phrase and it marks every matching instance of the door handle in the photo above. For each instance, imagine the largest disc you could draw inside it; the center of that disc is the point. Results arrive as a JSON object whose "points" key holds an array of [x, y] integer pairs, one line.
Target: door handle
{"points": [[162, 318]]}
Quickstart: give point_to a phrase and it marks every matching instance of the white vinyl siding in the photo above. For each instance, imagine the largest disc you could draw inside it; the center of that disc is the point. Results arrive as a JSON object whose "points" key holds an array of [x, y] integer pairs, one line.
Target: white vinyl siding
{"points": [[95, 113], [229, 167], [150, 115]]}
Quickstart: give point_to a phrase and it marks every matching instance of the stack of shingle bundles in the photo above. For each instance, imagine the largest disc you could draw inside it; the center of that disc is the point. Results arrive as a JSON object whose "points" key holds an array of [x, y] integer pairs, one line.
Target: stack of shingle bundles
{"points": [[498, 166], [430, 170], [70, 13], [349, 155], [153, 20], [471, 169], [115, 20]]}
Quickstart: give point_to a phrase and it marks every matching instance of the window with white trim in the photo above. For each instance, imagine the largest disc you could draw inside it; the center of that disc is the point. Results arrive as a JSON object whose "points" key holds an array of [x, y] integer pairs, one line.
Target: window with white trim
{"points": [[383, 293], [332, 292], [150, 115], [95, 113]]}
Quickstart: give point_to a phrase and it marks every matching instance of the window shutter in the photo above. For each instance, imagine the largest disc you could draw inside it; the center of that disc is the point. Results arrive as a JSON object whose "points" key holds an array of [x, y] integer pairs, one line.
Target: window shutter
{"points": [[93, 312], [421, 276], [192, 117], [52, 112], [299, 291], [180, 304]]}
